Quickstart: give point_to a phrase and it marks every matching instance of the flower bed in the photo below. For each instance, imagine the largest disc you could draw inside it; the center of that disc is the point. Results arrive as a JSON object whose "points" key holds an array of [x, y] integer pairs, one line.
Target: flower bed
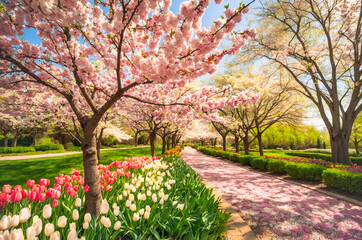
{"points": [[143, 198]]}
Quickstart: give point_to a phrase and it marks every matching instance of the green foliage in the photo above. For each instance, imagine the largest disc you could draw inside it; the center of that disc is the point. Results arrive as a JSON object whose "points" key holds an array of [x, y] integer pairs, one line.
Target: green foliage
{"points": [[24, 141], [48, 146], [323, 156], [7, 150], [319, 144], [342, 180], [260, 163], [276, 166], [357, 160], [304, 171]]}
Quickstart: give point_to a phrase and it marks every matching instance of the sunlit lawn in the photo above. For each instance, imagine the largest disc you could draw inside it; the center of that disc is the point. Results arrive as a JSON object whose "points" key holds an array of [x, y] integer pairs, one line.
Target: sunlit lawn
{"points": [[19, 171]]}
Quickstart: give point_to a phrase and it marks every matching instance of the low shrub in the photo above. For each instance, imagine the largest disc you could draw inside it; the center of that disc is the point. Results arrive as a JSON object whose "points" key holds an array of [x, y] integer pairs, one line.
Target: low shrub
{"points": [[304, 171], [260, 163], [357, 160], [48, 146], [245, 159], [276, 166], [16, 149], [345, 181], [226, 155], [323, 156]]}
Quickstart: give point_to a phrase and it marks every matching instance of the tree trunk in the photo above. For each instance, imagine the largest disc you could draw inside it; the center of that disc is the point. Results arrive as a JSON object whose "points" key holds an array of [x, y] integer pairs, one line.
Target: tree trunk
{"points": [[6, 138], [236, 139], [15, 139], [224, 143], [152, 139], [355, 141], [163, 145], [136, 139], [34, 136], [260, 143], [99, 144], [246, 143], [91, 176], [215, 142], [339, 147], [202, 142]]}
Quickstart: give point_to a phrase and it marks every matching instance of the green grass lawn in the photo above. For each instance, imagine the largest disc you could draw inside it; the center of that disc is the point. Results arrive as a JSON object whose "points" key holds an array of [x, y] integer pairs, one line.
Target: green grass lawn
{"points": [[17, 172]]}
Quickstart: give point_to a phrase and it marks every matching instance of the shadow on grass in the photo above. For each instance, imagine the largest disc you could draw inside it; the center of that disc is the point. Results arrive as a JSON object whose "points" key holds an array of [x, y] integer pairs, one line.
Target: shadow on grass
{"points": [[17, 172]]}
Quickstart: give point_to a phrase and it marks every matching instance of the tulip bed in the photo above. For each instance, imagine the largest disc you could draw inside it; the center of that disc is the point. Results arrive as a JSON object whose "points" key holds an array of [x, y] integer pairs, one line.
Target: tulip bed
{"points": [[143, 198], [333, 175]]}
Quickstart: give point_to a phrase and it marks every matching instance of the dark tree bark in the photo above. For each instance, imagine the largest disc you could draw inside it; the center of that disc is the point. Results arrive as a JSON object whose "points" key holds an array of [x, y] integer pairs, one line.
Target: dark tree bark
{"points": [[246, 143], [236, 139], [152, 139], [260, 144], [6, 139], [15, 139], [339, 147], [164, 144], [224, 143], [169, 144], [34, 137], [223, 131], [99, 144], [136, 138], [356, 143]]}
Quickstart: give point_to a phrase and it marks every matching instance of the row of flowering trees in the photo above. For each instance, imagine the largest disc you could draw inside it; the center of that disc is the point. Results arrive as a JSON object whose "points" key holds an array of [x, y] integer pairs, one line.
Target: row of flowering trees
{"points": [[91, 55]]}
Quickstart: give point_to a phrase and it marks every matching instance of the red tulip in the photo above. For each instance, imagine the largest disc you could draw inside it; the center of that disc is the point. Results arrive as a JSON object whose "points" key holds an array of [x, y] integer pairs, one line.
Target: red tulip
{"points": [[127, 174], [44, 182], [49, 192], [75, 172], [75, 188], [24, 193], [55, 194], [42, 197], [57, 187], [15, 196], [81, 181], [18, 188], [109, 187], [36, 189], [30, 183], [73, 194], [86, 188], [67, 186], [55, 203], [59, 180], [6, 188], [4, 197], [32, 195]]}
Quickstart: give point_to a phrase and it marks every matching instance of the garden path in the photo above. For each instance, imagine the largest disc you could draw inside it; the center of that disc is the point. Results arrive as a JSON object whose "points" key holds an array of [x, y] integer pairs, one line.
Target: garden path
{"points": [[22, 157], [276, 209]]}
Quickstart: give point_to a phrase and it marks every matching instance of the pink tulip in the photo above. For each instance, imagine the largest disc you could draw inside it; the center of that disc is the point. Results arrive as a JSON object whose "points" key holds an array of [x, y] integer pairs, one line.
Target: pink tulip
{"points": [[55, 194], [73, 194], [49, 192], [32, 195], [59, 180], [44, 182], [75, 188], [67, 186], [109, 187], [75, 172], [30, 183], [127, 174], [81, 181], [57, 187], [6, 188], [36, 189], [86, 188], [18, 188], [24, 193]]}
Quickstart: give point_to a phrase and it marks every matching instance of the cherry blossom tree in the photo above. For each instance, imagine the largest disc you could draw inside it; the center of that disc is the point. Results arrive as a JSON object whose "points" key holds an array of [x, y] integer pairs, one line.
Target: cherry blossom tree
{"points": [[319, 43], [200, 131], [6, 126], [93, 54]]}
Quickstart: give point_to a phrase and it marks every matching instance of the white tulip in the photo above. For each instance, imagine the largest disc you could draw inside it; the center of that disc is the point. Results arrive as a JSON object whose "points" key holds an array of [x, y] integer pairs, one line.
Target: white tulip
{"points": [[72, 226], [128, 203], [48, 229], [149, 193], [117, 225], [55, 236], [24, 215], [114, 205], [141, 211], [104, 206], [72, 235], [120, 197], [161, 194], [47, 211], [147, 215], [161, 201], [62, 221], [15, 221], [5, 235], [181, 206], [165, 197], [133, 207], [136, 217], [154, 198], [106, 222], [75, 214], [5, 222], [78, 202], [134, 189], [174, 203], [38, 225], [125, 193], [131, 197], [139, 196], [148, 208], [87, 217], [116, 211], [82, 238], [30, 233], [85, 226], [17, 234]]}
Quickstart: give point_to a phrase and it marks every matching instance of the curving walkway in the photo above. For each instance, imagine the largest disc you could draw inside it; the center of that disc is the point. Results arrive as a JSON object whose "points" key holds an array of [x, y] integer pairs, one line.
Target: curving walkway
{"points": [[277, 209]]}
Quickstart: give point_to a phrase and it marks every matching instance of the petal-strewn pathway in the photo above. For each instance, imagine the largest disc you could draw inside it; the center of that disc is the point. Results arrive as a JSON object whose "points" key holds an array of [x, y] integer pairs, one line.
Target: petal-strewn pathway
{"points": [[274, 208]]}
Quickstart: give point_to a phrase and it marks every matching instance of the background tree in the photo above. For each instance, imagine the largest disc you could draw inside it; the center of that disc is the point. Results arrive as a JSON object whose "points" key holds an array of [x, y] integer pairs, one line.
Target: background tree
{"points": [[7, 123], [97, 55], [319, 43], [356, 135]]}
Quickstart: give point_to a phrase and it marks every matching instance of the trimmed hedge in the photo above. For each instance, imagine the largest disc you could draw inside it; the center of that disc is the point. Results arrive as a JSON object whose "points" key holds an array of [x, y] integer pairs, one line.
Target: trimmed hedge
{"points": [[323, 156], [276, 166], [245, 159], [345, 181], [47, 147], [260, 163], [16, 149], [305, 171]]}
